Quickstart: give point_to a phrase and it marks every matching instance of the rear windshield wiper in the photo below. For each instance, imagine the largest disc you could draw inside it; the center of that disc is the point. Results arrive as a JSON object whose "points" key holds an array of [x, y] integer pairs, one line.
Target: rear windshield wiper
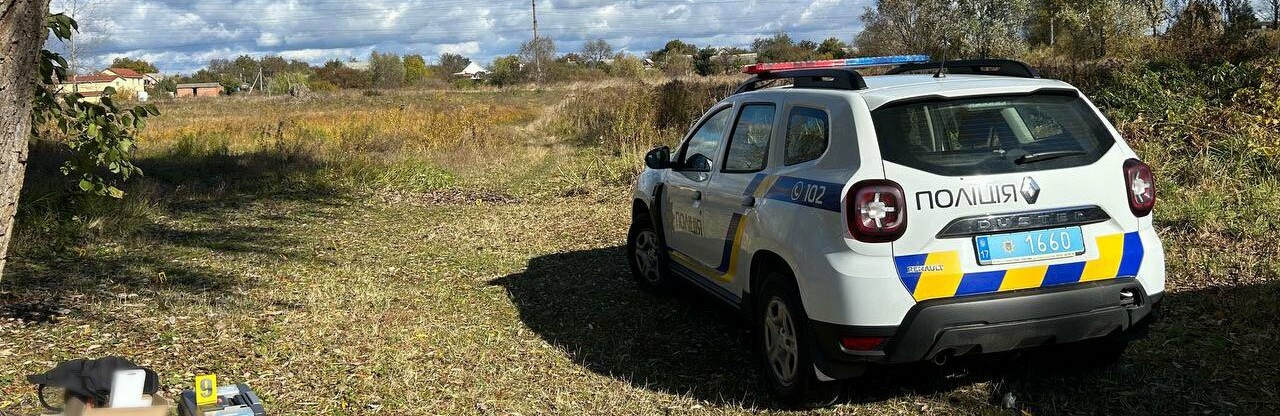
{"points": [[1043, 156]]}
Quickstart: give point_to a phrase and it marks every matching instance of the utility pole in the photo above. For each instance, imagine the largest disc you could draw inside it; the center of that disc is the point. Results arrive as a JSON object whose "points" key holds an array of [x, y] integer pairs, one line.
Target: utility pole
{"points": [[537, 46]]}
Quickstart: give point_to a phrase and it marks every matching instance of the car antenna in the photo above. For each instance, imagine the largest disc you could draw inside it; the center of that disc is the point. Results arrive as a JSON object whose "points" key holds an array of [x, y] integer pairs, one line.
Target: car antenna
{"points": [[942, 65]]}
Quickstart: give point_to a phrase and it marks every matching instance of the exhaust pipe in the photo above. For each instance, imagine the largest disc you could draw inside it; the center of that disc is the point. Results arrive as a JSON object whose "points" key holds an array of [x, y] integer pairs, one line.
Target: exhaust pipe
{"points": [[941, 358]]}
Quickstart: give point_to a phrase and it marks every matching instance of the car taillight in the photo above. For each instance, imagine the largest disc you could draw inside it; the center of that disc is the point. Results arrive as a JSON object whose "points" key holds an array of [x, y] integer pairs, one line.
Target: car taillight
{"points": [[1140, 184], [862, 343], [876, 211]]}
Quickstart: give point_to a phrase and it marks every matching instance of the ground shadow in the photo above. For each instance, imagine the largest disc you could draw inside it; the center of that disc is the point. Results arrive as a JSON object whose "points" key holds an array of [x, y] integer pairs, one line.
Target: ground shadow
{"points": [[68, 243], [584, 303]]}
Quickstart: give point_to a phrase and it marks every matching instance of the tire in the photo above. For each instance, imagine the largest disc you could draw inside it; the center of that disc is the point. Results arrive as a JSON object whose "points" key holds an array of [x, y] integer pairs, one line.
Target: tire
{"points": [[779, 320], [647, 258]]}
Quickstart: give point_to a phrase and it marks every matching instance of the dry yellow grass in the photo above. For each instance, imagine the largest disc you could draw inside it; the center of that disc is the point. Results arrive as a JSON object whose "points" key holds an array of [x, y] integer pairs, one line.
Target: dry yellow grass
{"points": [[366, 255]]}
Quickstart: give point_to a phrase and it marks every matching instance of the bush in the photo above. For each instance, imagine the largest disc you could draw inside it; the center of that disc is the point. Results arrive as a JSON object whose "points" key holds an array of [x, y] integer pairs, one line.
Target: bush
{"points": [[285, 82], [1213, 137], [322, 85]]}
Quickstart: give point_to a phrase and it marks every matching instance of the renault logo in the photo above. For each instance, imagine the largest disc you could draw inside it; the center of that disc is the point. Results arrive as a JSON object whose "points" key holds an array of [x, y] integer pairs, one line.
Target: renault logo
{"points": [[1030, 190]]}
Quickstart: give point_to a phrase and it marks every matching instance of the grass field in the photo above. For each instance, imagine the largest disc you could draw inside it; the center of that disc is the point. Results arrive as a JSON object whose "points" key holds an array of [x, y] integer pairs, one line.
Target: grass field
{"points": [[429, 252]]}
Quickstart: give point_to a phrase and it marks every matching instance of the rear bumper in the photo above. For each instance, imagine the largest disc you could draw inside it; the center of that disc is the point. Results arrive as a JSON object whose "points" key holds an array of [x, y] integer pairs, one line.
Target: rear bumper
{"points": [[992, 323]]}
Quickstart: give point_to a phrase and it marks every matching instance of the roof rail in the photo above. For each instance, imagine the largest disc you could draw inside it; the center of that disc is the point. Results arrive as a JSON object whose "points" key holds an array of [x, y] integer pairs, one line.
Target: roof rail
{"points": [[832, 78], [833, 73], [998, 67]]}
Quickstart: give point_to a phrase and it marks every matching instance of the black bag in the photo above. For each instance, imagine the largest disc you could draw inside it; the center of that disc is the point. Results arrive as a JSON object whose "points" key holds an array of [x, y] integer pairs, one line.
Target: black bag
{"points": [[89, 380]]}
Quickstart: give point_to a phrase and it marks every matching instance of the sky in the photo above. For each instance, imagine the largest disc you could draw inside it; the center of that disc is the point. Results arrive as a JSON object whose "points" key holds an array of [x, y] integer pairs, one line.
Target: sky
{"points": [[181, 36]]}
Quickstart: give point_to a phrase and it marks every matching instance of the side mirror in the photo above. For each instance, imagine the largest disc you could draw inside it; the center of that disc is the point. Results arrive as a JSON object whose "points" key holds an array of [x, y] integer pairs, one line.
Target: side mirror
{"points": [[659, 158]]}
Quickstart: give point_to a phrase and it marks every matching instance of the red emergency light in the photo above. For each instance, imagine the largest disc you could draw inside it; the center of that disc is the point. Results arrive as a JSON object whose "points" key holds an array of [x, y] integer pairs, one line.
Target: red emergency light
{"points": [[762, 68]]}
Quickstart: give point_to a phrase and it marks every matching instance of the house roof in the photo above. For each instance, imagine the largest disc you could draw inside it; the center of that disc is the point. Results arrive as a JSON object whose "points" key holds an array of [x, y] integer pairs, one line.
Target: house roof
{"points": [[89, 79], [200, 85], [472, 69], [124, 72]]}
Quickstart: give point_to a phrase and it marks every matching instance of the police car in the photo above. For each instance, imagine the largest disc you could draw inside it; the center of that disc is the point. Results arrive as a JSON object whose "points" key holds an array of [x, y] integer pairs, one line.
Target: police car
{"points": [[941, 209]]}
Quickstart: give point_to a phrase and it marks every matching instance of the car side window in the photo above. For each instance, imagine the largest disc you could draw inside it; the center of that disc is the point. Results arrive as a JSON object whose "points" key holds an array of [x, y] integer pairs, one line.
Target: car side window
{"points": [[701, 148], [749, 144], [807, 135]]}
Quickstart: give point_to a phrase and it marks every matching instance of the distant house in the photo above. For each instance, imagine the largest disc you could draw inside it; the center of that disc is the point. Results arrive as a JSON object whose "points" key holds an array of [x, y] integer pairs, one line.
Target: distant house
{"points": [[473, 71], [357, 65], [202, 89], [153, 78], [134, 78], [92, 86]]}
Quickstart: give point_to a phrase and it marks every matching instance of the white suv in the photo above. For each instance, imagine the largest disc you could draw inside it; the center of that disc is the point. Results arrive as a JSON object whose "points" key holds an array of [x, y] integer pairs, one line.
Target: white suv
{"points": [[942, 209]]}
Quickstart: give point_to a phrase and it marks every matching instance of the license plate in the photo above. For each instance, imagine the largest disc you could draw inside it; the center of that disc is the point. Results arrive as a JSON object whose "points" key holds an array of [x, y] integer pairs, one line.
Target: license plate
{"points": [[1027, 246]]}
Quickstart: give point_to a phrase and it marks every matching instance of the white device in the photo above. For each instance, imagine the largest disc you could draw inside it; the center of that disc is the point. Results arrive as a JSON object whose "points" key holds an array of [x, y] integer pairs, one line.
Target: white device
{"points": [[126, 389]]}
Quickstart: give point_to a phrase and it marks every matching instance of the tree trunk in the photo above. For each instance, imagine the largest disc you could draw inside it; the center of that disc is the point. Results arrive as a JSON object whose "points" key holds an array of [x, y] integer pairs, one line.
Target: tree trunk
{"points": [[1275, 14], [22, 34]]}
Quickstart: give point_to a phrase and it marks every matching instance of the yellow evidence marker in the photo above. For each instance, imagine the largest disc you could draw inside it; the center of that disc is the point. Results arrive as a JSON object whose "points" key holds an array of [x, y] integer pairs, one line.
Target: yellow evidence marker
{"points": [[206, 389]]}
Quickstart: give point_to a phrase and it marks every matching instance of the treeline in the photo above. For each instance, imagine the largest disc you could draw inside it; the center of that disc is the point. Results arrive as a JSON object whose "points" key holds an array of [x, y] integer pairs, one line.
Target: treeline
{"points": [[1195, 32], [277, 75], [1173, 30]]}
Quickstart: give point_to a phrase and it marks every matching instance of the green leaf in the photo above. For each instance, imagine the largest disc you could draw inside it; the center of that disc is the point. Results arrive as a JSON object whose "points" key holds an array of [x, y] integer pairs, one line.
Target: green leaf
{"points": [[115, 192], [85, 185]]}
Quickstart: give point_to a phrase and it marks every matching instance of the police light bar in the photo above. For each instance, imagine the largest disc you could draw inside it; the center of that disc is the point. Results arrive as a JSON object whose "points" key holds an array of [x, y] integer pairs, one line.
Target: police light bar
{"points": [[836, 63]]}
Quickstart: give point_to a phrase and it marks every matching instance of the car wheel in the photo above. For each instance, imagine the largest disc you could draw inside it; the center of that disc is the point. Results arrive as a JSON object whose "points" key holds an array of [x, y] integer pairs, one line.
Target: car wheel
{"points": [[785, 345], [644, 253]]}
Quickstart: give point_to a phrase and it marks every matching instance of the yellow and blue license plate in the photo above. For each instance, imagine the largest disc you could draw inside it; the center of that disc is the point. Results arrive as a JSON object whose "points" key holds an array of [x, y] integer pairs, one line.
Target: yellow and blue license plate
{"points": [[1027, 246]]}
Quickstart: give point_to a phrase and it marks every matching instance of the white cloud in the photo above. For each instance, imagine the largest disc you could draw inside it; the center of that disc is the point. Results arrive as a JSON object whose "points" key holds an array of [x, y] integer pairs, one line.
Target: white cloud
{"points": [[465, 48], [268, 39], [182, 35]]}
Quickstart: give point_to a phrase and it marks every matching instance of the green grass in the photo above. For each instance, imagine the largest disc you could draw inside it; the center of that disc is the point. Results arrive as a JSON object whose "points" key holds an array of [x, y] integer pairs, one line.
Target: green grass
{"points": [[390, 277]]}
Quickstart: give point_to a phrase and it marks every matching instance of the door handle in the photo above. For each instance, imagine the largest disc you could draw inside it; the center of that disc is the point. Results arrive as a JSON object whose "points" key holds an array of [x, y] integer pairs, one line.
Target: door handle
{"points": [[697, 195], [749, 201]]}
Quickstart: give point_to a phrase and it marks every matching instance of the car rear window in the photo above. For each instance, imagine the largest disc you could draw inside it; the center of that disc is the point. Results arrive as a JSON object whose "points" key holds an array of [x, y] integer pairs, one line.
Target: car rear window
{"points": [[990, 135]]}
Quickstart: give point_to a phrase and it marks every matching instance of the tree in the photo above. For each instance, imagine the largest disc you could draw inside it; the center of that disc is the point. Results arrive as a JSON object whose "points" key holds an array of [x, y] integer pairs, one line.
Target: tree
{"points": [[386, 69], [167, 85], [100, 135], [1045, 20], [451, 63], [595, 52], [138, 65], [415, 70], [1272, 8], [626, 66], [832, 48], [290, 83], [988, 28], [1099, 28], [341, 75], [943, 28], [538, 54], [780, 48], [1157, 13], [1241, 19], [506, 70], [273, 66], [722, 61], [1195, 34], [905, 26], [22, 35], [674, 46]]}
